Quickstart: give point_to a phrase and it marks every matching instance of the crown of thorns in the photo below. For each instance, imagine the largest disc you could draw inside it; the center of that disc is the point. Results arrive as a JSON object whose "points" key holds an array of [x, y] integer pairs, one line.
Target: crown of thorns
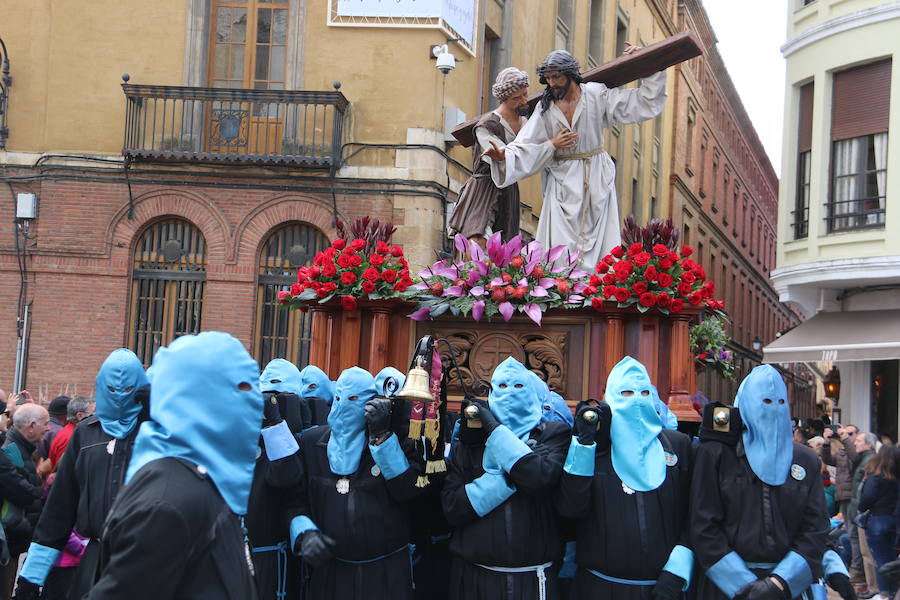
{"points": [[559, 60]]}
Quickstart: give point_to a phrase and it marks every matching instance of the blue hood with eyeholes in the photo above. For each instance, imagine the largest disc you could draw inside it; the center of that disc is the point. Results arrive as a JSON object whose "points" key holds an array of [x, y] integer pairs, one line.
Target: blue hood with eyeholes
{"points": [[668, 418], [280, 375], [637, 454], [119, 378], [314, 383], [515, 397], [353, 388], [394, 380], [200, 413], [555, 409], [767, 437]]}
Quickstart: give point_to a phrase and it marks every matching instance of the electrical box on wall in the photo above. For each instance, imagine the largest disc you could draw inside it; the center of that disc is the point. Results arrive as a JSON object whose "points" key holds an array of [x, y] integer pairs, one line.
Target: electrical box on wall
{"points": [[26, 206]]}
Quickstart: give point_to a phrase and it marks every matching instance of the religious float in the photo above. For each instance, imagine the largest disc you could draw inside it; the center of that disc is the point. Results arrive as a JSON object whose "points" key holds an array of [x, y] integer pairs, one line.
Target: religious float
{"points": [[514, 299]]}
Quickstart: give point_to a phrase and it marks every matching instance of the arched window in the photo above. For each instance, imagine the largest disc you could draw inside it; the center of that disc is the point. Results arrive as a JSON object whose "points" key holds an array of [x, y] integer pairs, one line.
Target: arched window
{"points": [[282, 333], [167, 281]]}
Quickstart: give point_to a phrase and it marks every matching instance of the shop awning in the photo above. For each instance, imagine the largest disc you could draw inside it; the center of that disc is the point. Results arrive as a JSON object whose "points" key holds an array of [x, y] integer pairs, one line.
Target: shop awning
{"points": [[839, 336]]}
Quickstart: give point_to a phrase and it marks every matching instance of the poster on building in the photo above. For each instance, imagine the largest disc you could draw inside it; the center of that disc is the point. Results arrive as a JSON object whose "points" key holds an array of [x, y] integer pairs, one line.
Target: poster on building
{"points": [[390, 8], [460, 16]]}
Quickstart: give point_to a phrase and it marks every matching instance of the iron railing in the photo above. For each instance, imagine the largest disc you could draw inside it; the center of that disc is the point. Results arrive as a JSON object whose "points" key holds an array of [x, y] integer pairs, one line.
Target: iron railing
{"points": [[300, 128]]}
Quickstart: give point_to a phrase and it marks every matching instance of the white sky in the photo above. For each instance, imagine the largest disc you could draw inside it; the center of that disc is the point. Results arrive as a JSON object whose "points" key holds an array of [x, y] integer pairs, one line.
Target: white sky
{"points": [[750, 36]]}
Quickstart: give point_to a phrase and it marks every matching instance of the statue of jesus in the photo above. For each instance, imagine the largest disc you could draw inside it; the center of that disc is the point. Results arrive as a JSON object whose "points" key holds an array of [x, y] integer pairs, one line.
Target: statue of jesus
{"points": [[579, 178]]}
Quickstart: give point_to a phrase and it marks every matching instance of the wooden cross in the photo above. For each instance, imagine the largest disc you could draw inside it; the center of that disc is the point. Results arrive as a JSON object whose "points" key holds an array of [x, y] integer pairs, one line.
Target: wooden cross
{"points": [[619, 71]]}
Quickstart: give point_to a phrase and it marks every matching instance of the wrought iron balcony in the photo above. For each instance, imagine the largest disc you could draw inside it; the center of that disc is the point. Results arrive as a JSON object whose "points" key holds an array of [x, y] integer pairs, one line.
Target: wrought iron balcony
{"points": [[299, 128]]}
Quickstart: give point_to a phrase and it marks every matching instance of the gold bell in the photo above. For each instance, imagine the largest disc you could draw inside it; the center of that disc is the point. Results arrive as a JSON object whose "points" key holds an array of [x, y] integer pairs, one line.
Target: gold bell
{"points": [[416, 387]]}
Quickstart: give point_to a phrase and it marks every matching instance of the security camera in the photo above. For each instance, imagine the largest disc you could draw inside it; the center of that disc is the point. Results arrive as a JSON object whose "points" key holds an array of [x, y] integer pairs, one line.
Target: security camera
{"points": [[446, 62]]}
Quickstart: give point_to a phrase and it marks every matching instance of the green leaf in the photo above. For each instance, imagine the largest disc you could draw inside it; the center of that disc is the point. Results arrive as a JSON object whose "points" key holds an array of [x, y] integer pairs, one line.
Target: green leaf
{"points": [[307, 294], [326, 298], [643, 308], [439, 310]]}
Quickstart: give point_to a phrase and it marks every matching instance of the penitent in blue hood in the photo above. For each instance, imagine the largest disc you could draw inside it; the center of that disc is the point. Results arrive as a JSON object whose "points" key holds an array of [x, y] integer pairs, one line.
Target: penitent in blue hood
{"points": [[314, 383], [768, 441], [515, 398], [347, 419], [119, 378], [206, 407], [280, 375]]}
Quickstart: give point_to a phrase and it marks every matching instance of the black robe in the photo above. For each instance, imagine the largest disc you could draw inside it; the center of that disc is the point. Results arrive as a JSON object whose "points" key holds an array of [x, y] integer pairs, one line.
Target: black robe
{"points": [[171, 535], [622, 535], [275, 499], [733, 510], [88, 478], [370, 524], [522, 531]]}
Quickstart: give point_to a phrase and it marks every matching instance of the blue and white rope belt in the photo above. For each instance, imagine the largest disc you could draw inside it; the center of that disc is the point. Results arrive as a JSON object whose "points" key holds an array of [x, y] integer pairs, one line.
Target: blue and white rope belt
{"points": [[641, 582], [281, 561], [537, 569]]}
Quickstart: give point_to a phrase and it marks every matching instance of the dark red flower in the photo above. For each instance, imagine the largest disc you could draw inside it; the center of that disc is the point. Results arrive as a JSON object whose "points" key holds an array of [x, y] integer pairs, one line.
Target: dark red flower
{"points": [[676, 305], [647, 299], [695, 299], [321, 292], [686, 250], [329, 270], [329, 286], [348, 277], [602, 267], [622, 294], [375, 260], [597, 303], [382, 248], [355, 260], [284, 296], [609, 278], [314, 272], [673, 257], [609, 291], [370, 274], [339, 244], [389, 275], [665, 263], [589, 290], [296, 289], [609, 259], [642, 258], [358, 244], [650, 273], [618, 251], [348, 302], [660, 250], [396, 251], [343, 261], [639, 287], [400, 286], [688, 277], [635, 248], [368, 287], [595, 281], [663, 300], [684, 289], [664, 280]]}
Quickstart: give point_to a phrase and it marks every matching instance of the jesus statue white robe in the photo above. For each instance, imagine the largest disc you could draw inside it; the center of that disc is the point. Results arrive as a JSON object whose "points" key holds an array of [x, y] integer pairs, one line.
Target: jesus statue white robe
{"points": [[579, 209]]}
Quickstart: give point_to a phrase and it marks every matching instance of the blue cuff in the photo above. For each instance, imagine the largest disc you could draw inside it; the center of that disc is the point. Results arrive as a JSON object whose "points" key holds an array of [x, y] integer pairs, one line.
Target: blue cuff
{"points": [[681, 563], [279, 441], [580, 459], [389, 457], [794, 569], [488, 492], [506, 447], [833, 564], [38, 563], [298, 526], [730, 574]]}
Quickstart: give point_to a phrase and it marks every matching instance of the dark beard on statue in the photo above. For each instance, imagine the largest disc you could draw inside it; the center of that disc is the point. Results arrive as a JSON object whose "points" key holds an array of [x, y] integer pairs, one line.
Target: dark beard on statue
{"points": [[560, 93], [522, 112]]}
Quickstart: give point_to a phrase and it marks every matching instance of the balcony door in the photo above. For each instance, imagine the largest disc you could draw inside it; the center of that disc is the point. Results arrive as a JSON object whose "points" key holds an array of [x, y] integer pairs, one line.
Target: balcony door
{"points": [[248, 50]]}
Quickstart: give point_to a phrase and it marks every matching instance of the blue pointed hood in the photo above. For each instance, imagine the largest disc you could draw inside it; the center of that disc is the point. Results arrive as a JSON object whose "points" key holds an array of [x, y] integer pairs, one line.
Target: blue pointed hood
{"points": [[199, 414], [314, 383], [280, 375], [119, 378], [347, 419], [384, 376], [768, 441], [515, 397], [637, 454], [668, 418], [555, 409]]}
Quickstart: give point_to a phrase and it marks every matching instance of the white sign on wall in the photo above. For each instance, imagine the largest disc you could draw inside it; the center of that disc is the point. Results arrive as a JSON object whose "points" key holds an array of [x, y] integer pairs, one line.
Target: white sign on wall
{"points": [[458, 15]]}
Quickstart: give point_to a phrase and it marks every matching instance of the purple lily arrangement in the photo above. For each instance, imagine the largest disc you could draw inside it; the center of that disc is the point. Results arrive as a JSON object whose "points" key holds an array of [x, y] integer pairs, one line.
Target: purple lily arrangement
{"points": [[500, 279]]}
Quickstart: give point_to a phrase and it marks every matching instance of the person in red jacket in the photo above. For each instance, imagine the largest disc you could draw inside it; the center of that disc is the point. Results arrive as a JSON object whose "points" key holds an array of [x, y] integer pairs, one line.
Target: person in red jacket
{"points": [[77, 409]]}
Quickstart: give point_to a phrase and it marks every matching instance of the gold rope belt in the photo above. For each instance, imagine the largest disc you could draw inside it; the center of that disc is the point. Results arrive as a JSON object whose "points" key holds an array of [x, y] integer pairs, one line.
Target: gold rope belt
{"points": [[577, 155]]}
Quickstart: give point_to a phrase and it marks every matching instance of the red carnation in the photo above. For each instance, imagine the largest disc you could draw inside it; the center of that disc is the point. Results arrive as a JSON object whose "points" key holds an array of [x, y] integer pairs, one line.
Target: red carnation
{"points": [[284, 296], [676, 305], [375, 260], [358, 244], [641, 258], [348, 302], [650, 274], [639, 288], [618, 251], [664, 280], [597, 303], [663, 300], [622, 294], [339, 244], [665, 263], [686, 250], [343, 261], [635, 248], [660, 250], [348, 277], [602, 267], [355, 260], [370, 274], [389, 275], [368, 287], [382, 248], [396, 251], [329, 270], [296, 289], [647, 299], [695, 299]]}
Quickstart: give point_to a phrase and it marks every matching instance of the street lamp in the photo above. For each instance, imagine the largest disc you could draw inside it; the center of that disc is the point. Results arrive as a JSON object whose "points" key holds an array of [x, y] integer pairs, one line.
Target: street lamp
{"points": [[756, 344], [832, 383]]}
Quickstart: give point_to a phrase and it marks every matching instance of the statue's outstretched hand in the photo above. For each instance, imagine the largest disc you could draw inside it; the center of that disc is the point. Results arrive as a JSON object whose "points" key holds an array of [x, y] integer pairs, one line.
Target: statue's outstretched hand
{"points": [[495, 153], [565, 138], [631, 48]]}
